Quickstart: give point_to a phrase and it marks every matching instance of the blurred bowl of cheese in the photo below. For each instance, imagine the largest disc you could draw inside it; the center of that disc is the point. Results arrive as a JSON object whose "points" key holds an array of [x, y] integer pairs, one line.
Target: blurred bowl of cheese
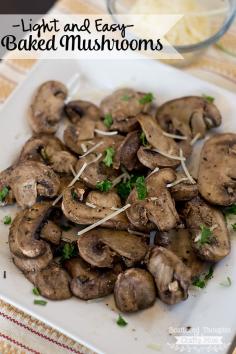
{"points": [[203, 23]]}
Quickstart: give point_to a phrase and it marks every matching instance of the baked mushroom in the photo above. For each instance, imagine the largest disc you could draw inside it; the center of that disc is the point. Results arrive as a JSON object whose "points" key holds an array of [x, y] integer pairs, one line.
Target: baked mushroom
{"points": [[134, 290], [126, 154], [157, 210], [101, 247], [210, 237], [47, 107], [89, 283], [87, 212], [179, 242], [53, 282], [217, 170], [188, 116], [172, 276], [30, 179], [77, 109], [51, 232], [159, 144], [49, 150], [124, 105], [184, 190]]}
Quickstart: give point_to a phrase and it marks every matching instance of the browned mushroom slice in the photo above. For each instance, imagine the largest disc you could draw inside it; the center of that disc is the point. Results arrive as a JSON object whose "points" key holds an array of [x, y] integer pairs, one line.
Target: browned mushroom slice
{"points": [[210, 237], [34, 264], [134, 290], [50, 150], [24, 232], [96, 171], [51, 232], [188, 116], [30, 179], [179, 242], [124, 105], [172, 276], [182, 189], [126, 154], [157, 210], [100, 247], [150, 156], [52, 282], [75, 110], [86, 214], [217, 170], [47, 107], [89, 283]]}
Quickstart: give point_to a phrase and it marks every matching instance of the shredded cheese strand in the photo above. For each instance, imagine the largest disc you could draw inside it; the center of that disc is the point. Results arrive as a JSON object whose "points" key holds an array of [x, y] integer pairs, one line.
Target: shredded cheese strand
{"points": [[156, 169], [90, 205], [92, 149], [195, 139], [118, 179], [175, 136], [173, 157], [138, 233], [102, 132], [84, 148], [185, 169], [100, 222], [169, 185], [72, 170]]}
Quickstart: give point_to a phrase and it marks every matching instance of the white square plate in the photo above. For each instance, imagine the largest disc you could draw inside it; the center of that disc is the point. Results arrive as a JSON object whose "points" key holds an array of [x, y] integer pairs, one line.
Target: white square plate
{"points": [[94, 324]]}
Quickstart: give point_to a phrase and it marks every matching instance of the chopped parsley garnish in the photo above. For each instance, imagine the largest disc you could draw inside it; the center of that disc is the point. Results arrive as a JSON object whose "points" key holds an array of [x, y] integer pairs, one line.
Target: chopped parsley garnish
{"points": [[234, 226], [3, 193], [205, 236], [226, 283], [201, 282], [121, 322], [209, 99], [36, 291], [126, 98], [108, 159], [108, 120], [230, 210], [124, 188], [141, 188], [104, 186], [68, 251], [143, 139], [148, 98], [7, 220], [44, 155], [74, 195], [40, 302]]}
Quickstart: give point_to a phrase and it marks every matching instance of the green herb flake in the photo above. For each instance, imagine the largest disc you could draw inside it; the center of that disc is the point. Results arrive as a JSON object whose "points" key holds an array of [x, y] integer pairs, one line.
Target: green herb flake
{"points": [[104, 186], [7, 220], [201, 282], [3, 193], [209, 99], [36, 292], [141, 188], [68, 251], [148, 98], [124, 188], [227, 283], [121, 322], [40, 302], [74, 195], [126, 98], [108, 120], [143, 139], [44, 155], [234, 226], [109, 155], [230, 210], [209, 275], [205, 236]]}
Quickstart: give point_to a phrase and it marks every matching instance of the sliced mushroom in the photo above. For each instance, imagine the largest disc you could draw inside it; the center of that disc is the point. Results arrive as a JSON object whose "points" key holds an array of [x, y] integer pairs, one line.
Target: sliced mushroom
{"points": [[47, 107], [75, 110], [124, 105], [126, 154], [89, 283], [157, 140], [49, 150], [96, 171], [52, 282], [198, 214], [184, 190], [100, 247], [83, 214], [157, 210], [134, 290], [217, 170], [34, 264], [30, 179], [179, 242], [188, 116], [172, 276], [51, 232]]}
